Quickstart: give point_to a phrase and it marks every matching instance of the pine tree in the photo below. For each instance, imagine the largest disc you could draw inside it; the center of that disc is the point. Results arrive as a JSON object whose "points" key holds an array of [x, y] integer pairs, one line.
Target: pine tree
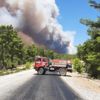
{"points": [[90, 50]]}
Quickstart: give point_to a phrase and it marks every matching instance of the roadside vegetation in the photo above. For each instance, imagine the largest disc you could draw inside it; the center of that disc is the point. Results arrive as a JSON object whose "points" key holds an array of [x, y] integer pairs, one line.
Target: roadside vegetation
{"points": [[89, 51], [78, 65]]}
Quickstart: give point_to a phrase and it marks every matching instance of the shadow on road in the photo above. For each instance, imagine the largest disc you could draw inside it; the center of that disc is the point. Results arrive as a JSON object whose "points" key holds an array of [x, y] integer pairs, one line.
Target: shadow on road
{"points": [[45, 87], [47, 75], [52, 74]]}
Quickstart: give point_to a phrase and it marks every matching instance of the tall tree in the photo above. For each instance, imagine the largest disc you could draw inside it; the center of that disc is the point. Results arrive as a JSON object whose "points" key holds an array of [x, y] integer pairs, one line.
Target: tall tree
{"points": [[90, 50], [10, 46]]}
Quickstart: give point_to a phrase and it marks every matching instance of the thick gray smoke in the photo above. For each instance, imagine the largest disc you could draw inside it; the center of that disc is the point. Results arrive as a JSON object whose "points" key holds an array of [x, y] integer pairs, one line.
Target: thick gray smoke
{"points": [[38, 19]]}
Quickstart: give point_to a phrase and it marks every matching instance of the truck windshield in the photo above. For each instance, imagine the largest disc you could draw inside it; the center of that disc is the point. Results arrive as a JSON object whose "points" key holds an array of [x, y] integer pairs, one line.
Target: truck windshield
{"points": [[38, 59]]}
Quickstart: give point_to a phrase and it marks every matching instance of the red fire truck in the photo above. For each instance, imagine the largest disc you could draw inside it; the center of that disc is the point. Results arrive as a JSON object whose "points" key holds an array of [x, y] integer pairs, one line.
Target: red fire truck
{"points": [[43, 64]]}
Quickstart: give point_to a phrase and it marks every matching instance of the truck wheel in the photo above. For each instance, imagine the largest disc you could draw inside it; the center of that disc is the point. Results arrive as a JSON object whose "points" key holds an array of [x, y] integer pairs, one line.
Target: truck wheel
{"points": [[41, 71], [62, 71]]}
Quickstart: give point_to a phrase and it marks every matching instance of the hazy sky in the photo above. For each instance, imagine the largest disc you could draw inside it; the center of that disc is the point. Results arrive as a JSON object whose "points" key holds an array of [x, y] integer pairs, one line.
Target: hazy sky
{"points": [[71, 11]]}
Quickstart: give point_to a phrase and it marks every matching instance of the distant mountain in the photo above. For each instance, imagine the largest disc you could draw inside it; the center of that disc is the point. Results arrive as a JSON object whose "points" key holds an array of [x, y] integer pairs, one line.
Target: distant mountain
{"points": [[25, 38]]}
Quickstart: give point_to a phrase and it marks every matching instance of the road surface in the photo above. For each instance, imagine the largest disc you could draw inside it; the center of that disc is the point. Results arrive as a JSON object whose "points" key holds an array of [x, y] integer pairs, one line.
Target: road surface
{"points": [[27, 86]]}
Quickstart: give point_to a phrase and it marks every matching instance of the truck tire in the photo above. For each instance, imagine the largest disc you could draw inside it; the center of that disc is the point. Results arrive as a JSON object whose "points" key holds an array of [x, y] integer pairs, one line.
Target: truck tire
{"points": [[41, 71], [63, 71]]}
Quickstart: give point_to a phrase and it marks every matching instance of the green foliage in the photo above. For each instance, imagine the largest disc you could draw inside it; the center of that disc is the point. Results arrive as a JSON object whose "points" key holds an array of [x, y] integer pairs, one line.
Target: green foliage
{"points": [[30, 53], [94, 4], [89, 52], [28, 65], [78, 65], [10, 47], [64, 56]]}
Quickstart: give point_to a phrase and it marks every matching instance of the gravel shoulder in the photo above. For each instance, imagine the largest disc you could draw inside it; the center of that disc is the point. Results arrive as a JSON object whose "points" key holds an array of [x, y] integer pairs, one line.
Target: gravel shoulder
{"points": [[89, 89], [9, 83]]}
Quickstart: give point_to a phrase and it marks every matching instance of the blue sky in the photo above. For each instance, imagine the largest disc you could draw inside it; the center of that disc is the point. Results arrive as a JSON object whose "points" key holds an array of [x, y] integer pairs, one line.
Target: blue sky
{"points": [[71, 11]]}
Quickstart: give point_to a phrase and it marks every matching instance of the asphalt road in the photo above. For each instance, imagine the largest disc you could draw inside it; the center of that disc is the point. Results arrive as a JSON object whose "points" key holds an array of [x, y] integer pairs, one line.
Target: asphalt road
{"points": [[38, 87]]}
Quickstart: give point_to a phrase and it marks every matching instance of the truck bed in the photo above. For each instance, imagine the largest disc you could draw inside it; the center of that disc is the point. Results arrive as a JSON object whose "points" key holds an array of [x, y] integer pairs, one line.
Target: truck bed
{"points": [[58, 63]]}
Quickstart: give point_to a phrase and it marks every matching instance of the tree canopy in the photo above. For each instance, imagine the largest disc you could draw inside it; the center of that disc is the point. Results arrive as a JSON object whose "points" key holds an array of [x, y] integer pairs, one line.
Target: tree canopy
{"points": [[89, 52]]}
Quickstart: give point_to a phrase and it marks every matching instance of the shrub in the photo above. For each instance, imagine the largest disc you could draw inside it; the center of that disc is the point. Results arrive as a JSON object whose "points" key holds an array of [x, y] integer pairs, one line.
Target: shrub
{"points": [[78, 65], [28, 65]]}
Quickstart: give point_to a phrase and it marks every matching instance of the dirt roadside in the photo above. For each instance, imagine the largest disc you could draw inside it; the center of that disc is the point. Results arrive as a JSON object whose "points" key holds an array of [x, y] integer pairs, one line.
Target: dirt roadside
{"points": [[87, 88], [83, 81]]}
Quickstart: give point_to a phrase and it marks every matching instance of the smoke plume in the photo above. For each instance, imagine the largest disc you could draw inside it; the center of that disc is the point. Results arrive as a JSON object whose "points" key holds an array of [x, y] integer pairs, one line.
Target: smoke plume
{"points": [[38, 19]]}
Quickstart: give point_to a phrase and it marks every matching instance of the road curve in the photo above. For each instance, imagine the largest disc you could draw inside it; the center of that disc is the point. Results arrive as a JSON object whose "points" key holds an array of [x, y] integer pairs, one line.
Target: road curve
{"points": [[43, 87]]}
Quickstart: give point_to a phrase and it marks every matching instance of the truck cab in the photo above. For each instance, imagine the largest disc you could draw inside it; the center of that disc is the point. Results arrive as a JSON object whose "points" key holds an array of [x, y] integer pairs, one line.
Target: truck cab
{"points": [[40, 64]]}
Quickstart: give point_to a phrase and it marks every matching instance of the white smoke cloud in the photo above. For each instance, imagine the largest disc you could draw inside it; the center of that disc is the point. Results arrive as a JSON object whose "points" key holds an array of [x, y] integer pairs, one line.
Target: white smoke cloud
{"points": [[38, 19]]}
